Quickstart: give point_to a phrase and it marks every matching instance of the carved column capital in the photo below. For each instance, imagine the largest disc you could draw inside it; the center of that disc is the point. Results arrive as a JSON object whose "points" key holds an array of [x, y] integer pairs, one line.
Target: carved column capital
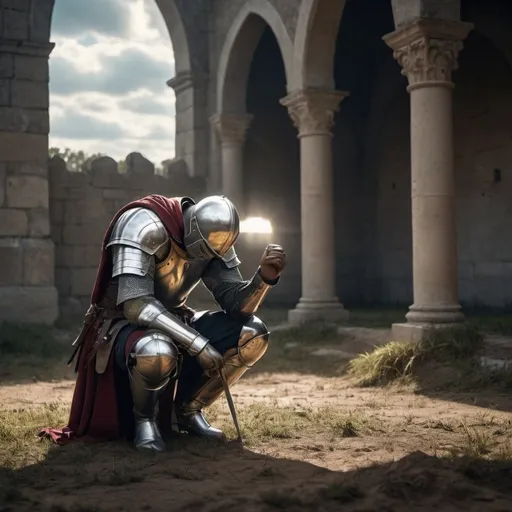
{"points": [[312, 110], [231, 128], [428, 50]]}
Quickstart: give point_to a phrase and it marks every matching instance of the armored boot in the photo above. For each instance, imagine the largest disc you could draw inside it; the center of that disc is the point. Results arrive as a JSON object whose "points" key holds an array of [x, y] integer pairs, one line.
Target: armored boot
{"points": [[252, 345], [151, 364]]}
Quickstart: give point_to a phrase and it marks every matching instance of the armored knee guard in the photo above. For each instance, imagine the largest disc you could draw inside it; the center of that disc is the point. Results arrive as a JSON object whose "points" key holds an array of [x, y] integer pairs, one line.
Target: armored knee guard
{"points": [[151, 364], [252, 345]]}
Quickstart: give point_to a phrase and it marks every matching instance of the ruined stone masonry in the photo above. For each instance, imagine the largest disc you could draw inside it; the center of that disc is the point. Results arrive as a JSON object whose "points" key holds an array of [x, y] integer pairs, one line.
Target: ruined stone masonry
{"points": [[82, 205]]}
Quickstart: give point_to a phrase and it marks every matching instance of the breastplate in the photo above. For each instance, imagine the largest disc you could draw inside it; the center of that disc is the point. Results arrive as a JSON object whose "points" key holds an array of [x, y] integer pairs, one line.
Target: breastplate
{"points": [[176, 277]]}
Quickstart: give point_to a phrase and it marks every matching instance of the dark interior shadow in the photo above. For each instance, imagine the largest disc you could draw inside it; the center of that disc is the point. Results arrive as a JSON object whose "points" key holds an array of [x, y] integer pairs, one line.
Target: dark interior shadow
{"points": [[197, 476]]}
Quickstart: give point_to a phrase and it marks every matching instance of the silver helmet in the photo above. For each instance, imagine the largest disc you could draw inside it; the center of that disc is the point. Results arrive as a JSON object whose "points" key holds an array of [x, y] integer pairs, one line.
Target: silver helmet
{"points": [[212, 227]]}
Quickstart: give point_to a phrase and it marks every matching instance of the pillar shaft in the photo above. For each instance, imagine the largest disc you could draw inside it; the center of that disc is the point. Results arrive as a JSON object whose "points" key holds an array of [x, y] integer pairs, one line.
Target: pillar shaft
{"points": [[312, 113], [232, 131], [27, 260], [427, 50]]}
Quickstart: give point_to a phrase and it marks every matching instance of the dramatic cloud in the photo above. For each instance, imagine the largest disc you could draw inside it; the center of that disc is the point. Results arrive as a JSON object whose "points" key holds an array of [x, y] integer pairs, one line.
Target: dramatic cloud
{"points": [[131, 70], [79, 126], [108, 77], [75, 18]]}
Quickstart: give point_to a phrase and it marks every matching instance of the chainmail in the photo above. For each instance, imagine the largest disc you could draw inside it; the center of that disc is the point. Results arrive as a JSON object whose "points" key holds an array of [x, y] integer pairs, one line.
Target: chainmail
{"points": [[131, 287]]}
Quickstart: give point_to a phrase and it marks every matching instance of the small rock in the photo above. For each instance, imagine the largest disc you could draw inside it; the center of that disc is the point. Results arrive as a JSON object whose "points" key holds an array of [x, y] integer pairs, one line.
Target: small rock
{"points": [[490, 362]]}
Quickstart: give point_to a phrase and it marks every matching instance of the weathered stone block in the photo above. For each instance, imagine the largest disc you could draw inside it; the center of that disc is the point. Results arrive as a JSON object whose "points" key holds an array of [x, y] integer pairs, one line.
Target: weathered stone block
{"points": [[137, 164], [5, 93], [17, 5], [38, 223], [56, 234], [490, 291], [27, 192], [74, 212], [13, 222], [489, 269], [113, 193], [12, 119], [27, 67], [27, 94], [82, 280], [28, 168], [58, 191], [23, 147], [95, 205], [38, 121], [56, 211], [80, 256], [3, 174], [15, 24], [108, 180], [38, 262], [63, 281], [92, 256], [38, 304], [57, 168], [71, 308], [11, 263], [6, 65], [78, 180], [87, 234]]}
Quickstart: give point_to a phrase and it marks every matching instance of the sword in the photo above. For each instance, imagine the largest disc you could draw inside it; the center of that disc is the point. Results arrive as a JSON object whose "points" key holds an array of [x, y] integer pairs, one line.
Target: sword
{"points": [[231, 404]]}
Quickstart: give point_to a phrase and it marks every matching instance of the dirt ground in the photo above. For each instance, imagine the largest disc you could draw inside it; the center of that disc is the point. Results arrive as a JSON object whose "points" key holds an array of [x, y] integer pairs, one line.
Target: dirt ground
{"points": [[313, 442]]}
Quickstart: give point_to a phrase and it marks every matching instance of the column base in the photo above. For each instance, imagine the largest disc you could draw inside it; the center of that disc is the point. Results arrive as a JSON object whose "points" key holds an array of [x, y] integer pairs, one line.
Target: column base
{"points": [[450, 314], [422, 320], [416, 333], [29, 304], [308, 310]]}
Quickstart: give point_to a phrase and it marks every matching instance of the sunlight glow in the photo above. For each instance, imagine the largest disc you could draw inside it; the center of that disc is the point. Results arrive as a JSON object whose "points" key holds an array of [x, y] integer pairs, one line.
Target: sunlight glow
{"points": [[256, 225]]}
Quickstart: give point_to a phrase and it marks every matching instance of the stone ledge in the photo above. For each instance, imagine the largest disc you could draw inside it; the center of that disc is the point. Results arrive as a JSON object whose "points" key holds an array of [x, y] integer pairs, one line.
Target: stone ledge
{"points": [[30, 304]]}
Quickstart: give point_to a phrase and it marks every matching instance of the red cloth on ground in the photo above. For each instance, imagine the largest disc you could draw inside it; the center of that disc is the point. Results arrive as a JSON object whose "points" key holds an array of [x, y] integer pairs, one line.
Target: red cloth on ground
{"points": [[94, 411]]}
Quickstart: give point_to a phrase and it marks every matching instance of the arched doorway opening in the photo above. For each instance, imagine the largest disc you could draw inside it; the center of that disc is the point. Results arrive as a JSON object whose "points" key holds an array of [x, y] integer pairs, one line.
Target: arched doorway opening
{"points": [[258, 170], [371, 161], [272, 160]]}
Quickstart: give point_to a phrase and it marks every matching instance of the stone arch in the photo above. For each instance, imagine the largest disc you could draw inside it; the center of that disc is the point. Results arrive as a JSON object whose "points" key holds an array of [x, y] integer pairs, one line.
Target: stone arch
{"points": [[238, 49], [177, 34], [41, 21], [315, 43]]}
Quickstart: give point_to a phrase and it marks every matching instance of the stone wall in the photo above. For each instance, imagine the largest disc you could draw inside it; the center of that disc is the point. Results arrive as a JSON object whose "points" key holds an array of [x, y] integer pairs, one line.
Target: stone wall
{"points": [[82, 205]]}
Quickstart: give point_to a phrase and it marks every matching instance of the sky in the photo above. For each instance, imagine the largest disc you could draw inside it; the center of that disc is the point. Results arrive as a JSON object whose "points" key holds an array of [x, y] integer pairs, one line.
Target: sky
{"points": [[108, 75]]}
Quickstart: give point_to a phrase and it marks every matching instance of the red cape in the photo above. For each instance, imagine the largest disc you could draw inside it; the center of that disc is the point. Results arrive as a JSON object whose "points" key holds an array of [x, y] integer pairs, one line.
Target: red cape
{"points": [[94, 412]]}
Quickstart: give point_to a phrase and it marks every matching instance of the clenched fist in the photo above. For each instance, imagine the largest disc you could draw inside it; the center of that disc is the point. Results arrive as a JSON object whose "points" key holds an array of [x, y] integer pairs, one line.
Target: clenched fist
{"points": [[272, 262]]}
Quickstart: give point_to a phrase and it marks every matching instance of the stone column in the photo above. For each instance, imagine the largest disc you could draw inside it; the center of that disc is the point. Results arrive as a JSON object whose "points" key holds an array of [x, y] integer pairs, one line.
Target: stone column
{"points": [[27, 292], [427, 50], [192, 130], [232, 129], [312, 112]]}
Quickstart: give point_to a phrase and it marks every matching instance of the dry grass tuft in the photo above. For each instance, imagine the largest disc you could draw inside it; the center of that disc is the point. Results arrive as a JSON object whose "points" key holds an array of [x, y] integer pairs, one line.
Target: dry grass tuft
{"points": [[458, 348], [19, 444]]}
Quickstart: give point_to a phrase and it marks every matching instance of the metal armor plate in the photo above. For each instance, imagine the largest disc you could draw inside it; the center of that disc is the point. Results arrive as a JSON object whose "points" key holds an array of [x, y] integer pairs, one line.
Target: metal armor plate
{"points": [[139, 228], [177, 276]]}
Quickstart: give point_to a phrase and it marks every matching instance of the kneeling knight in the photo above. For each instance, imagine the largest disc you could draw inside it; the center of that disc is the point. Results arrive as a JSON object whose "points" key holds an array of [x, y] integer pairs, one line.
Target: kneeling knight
{"points": [[148, 364]]}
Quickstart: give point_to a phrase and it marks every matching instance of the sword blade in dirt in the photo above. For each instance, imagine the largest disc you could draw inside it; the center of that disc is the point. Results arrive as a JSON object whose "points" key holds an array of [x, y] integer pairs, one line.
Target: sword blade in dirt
{"points": [[231, 404]]}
